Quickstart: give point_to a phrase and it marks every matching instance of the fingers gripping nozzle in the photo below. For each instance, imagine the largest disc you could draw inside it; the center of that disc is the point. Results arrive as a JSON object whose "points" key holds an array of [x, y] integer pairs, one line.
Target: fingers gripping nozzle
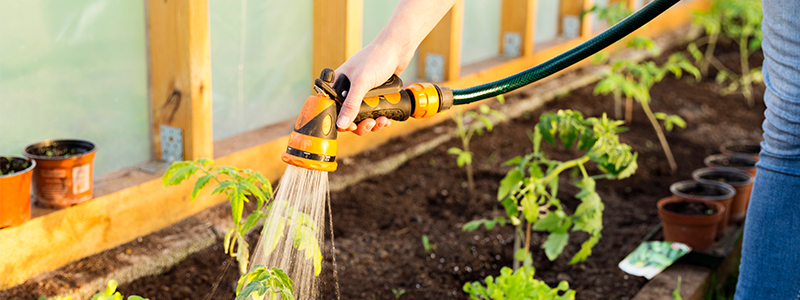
{"points": [[312, 144]]}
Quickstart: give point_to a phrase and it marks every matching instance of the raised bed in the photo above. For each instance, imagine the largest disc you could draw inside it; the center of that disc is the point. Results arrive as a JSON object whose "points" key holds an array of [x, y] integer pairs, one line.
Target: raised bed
{"points": [[378, 222]]}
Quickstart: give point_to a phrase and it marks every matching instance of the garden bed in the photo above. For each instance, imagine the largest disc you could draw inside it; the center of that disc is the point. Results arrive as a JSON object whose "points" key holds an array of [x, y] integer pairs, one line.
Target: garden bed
{"points": [[378, 222]]}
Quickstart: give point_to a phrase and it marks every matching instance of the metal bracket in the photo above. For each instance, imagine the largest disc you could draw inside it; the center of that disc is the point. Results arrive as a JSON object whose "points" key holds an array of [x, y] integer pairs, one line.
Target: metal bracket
{"points": [[512, 43], [171, 143], [434, 67], [570, 25]]}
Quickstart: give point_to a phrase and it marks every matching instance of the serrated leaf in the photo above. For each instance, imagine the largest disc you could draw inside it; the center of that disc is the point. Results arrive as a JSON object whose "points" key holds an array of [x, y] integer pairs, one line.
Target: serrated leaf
{"points": [[509, 183], [549, 222], [510, 206], [586, 249], [555, 244], [530, 209], [200, 184]]}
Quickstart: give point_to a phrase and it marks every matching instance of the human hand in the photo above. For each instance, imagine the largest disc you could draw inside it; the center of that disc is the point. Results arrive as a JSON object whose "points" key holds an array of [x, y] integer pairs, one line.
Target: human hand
{"points": [[368, 68]]}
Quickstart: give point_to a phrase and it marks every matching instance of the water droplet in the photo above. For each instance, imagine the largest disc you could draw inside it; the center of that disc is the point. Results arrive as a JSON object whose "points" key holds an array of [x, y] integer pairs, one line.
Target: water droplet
{"points": [[455, 269]]}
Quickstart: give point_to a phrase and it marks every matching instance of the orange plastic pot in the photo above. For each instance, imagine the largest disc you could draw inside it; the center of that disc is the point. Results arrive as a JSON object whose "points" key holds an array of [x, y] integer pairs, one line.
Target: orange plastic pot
{"points": [[15, 194], [717, 192], [745, 148], [743, 163], [738, 179], [62, 181], [697, 231]]}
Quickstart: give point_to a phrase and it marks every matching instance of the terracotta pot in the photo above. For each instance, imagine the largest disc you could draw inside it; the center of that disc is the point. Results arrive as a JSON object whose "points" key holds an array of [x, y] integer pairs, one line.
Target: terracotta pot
{"points": [[740, 180], [15, 193], [743, 163], [747, 148], [697, 231], [62, 181], [721, 193]]}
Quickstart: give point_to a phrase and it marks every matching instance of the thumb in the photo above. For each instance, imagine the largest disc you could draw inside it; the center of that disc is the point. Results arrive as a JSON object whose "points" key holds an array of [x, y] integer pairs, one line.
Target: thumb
{"points": [[351, 105]]}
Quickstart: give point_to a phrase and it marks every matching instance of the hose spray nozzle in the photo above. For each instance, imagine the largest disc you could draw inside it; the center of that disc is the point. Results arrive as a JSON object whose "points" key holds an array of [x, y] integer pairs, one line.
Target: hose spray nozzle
{"points": [[312, 144]]}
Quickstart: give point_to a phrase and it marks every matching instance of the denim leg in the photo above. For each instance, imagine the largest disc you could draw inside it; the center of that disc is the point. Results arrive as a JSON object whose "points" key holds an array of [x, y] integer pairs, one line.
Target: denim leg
{"points": [[770, 267]]}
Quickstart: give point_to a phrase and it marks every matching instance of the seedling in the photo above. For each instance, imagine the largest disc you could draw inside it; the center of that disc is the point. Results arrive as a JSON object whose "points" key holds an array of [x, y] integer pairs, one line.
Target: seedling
{"points": [[676, 293], [397, 293], [634, 80], [737, 20], [426, 243], [109, 294], [262, 282], [466, 131], [518, 284]]}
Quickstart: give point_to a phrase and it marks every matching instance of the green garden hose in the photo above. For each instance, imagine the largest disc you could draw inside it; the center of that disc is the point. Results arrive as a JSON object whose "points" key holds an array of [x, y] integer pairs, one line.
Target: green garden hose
{"points": [[566, 59]]}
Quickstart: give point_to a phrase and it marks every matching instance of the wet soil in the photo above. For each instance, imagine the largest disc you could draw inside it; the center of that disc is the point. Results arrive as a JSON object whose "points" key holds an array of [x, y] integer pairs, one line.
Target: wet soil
{"points": [[378, 223], [690, 208], [734, 162], [11, 165], [58, 150]]}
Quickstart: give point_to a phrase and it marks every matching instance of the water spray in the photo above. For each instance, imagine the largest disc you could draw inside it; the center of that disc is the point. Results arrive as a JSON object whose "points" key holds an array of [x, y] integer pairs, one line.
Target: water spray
{"points": [[311, 152]]}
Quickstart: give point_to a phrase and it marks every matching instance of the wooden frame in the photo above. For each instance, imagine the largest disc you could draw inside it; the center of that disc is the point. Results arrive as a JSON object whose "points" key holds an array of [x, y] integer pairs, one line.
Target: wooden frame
{"points": [[337, 32], [130, 203], [517, 16], [444, 40]]}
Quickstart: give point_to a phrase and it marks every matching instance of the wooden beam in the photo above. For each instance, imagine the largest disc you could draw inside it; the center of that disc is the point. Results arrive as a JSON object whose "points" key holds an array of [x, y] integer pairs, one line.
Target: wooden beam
{"points": [[337, 33], [576, 8], [180, 74], [130, 210], [444, 41], [517, 17]]}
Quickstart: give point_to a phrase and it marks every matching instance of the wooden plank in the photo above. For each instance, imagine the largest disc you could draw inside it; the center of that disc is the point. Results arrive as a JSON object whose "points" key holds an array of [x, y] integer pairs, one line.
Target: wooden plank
{"points": [[518, 16], [145, 206], [180, 74], [445, 40], [337, 33]]}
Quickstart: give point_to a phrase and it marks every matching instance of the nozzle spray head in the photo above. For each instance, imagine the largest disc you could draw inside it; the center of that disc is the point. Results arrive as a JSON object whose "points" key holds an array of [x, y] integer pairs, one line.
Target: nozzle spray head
{"points": [[312, 144]]}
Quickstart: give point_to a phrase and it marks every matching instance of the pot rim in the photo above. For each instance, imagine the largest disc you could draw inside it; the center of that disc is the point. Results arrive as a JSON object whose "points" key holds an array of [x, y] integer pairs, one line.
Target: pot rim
{"points": [[727, 187], [28, 169], [49, 141], [666, 200], [723, 147], [699, 172], [711, 158]]}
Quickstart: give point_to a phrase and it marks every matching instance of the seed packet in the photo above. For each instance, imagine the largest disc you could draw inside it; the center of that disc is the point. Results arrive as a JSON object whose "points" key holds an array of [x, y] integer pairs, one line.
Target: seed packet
{"points": [[652, 257]]}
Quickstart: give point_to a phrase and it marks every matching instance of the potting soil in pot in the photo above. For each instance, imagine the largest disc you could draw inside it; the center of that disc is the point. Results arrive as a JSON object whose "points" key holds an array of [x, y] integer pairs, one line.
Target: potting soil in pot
{"points": [[690, 208]]}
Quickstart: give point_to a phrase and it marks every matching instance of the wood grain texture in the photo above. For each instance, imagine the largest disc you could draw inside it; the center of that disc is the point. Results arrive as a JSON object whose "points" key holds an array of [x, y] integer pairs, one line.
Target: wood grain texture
{"points": [[445, 39], [115, 217], [180, 73], [518, 16], [337, 33]]}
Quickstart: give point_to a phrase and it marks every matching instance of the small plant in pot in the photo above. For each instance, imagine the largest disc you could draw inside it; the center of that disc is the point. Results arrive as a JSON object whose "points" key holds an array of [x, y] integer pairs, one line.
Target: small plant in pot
{"points": [[711, 191], [15, 190], [690, 221], [64, 173], [745, 148], [743, 163], [740, 180]]}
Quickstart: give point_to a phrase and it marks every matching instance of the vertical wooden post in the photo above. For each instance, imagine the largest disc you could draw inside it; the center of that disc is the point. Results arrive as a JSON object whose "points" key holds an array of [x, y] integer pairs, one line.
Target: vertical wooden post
{"points": [[576, 8], [180, 74], [518, 16], [444, 42], [337, 32]]}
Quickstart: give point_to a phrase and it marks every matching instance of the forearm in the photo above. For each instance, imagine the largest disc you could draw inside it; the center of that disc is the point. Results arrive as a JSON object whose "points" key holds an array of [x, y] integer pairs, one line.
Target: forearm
{"points": [[410, 23]]}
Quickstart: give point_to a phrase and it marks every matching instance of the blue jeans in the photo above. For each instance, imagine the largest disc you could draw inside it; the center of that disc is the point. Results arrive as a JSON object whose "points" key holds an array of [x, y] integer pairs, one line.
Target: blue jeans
{"points": [[770, 267]]}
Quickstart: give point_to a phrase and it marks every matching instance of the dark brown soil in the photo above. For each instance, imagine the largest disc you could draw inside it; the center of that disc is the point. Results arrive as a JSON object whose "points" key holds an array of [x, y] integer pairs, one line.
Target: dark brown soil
{"points": [[748, 150], [703, 190], [378, 223], [57, 150], [734, 162], [10, 165], [726, 177], [690, 208]]}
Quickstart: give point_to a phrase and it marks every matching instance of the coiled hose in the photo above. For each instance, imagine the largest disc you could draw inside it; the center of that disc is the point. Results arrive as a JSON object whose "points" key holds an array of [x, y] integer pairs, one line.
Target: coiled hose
{"points": [[566, 59]]}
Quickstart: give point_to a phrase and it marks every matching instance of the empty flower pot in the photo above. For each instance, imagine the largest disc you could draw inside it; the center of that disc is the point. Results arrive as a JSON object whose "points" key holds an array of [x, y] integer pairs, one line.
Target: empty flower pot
{"points": [[717, 192], [15, 190], [740, 180], [743, 163], [746, 148], [689, 221], [64, 173]]}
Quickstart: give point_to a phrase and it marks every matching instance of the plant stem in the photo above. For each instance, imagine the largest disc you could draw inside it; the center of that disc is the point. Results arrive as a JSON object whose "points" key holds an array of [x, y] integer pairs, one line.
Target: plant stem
{"points": [[628, 110], [517, 241], [528, 238], [661, 137], [470, 180], [617, 105], [712, 43], [743, 58]]}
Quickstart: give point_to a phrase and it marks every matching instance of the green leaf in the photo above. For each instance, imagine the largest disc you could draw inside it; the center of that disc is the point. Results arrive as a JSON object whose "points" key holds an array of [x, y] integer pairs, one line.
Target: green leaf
{"points": [[200, 184], [464, 158], [166, 179], [511, 208], [549, 222], [530, 209], [586, 249], [509, 183], [555, 245], [454, 151]]}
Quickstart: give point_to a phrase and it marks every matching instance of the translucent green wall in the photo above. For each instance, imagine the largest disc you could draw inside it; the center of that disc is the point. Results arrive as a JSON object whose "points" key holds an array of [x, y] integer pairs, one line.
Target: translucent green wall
{"points": [[376, 14], [75, 69], [260, 62], [481, 35], [546, 23]]}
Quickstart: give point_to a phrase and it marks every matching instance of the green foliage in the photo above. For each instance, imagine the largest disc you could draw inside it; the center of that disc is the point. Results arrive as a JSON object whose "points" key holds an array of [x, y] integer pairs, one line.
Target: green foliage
{"points": [[397, 293], [304, 232], [466, 131], [517, 285], [109, 294], [739, 21], [264, 283], [533, 181], [670, 120], [676, 294], [426, 243], [235, 184], [488, 224], [612, 13]]}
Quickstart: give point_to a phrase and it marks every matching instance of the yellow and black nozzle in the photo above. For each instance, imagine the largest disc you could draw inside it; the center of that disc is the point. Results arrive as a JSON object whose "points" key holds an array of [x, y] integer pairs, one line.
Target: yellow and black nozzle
{"points": [[312, 144]]}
